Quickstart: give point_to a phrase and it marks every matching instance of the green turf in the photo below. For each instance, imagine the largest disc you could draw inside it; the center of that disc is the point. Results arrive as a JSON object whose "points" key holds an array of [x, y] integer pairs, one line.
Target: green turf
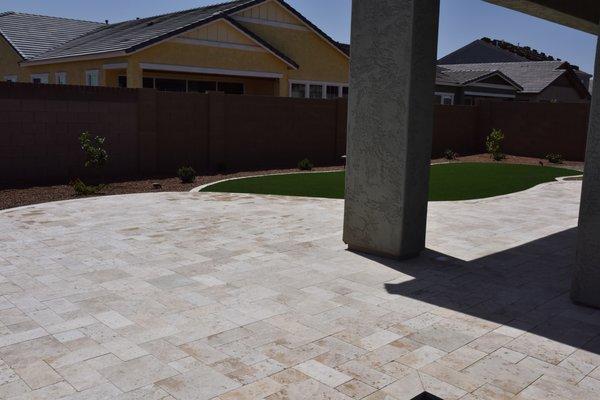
{"points": [[459, 181]]}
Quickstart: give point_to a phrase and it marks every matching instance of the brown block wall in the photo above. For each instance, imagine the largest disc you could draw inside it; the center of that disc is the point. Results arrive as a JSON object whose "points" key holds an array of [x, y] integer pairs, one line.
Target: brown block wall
{"points": [[151, 133]]}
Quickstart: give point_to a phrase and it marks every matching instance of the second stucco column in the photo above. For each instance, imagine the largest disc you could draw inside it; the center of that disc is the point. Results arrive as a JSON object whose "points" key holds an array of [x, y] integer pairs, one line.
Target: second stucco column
{"points": [[586, 281], [390, 124]]}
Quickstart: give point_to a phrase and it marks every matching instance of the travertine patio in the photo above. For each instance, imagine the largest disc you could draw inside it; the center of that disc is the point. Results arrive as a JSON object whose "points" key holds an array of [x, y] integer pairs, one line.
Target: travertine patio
{"points": [[194, 296]]}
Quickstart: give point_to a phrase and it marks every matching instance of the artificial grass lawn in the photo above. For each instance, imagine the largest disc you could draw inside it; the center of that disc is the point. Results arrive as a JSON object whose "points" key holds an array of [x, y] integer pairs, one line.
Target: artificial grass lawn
{"points": [[457, 181]]}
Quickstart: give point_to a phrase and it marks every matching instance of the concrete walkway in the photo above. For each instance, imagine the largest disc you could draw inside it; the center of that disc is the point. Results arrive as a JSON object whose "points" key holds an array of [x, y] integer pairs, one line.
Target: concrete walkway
{"points": [[199, 296]]}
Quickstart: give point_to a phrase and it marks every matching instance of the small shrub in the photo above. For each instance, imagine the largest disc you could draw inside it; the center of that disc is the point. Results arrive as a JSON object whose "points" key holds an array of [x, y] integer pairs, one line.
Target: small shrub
{"points": [[81, 189], [555, 158], [450, 154], [187, 174], [305, 165], [94, 151], [493, 145]]}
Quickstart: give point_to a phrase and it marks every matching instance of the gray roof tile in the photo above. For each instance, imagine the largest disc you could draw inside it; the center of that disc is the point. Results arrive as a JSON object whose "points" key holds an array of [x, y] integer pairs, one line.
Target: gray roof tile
{"points": [[533, 76], [31, 35]]}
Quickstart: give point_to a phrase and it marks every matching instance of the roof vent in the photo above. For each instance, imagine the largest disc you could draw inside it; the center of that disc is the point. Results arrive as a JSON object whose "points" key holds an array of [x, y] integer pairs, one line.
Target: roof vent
{"points": [[106, 21]]}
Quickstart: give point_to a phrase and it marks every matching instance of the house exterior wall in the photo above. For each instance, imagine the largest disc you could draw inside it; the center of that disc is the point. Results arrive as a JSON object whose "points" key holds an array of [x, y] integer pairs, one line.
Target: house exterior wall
{"points": [[9, 60], [215, 45], [561, 90]]}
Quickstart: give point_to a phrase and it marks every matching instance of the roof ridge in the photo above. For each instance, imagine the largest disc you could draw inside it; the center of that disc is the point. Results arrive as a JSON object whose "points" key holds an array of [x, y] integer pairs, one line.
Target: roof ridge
{"points": [[182, 11], [49, 16]]}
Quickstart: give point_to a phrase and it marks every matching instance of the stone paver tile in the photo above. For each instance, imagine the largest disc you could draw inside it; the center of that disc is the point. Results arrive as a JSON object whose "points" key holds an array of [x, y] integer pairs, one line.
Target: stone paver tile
{"points": [[509, 355], [551, 388], [323, 373], [256, 390], [542, 348], [421, 357], [490, 342], [137, 373], [8, 340], [198, 384], [81, 376], [124, 349], [76, 356], [250, 373], [113, 319], [406, 388], [570, 375], [366, 374], [491, 392], [60, 390], [37, 374], [356, 389], [378, 339], [151, 392], [164, 351], [289, 376], [498, 372], [462, 358], [309, 389], [453, 377], [441, 389], [203, 352], [13, 389], [107, 391], [443, 336]]}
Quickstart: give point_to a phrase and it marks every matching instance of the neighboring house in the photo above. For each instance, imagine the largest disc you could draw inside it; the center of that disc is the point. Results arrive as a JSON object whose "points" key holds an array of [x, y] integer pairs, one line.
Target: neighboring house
{"points": [[540, 81], [487, 50], [469, 86], [257, 47]]}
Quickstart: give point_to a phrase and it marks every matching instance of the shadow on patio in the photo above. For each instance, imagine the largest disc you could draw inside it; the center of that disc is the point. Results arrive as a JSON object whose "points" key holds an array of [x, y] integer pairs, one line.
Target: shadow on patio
{"points": [[526, 288]]}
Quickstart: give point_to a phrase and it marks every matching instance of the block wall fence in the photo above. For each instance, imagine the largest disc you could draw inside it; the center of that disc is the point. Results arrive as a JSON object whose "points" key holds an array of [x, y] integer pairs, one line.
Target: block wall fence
{"points": [[150, 133]]}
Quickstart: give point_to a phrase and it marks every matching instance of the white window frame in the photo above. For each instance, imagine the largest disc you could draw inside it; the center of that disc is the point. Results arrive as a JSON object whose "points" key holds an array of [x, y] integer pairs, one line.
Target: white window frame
{"points": [[11, 78], [58, 76], [42, 77], [445, 95], [89, 74], [307, 85]]}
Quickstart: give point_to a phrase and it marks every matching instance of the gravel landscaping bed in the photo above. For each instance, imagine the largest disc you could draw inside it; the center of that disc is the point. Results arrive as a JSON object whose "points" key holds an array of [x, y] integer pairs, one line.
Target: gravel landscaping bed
{"points": [[18, 197]]}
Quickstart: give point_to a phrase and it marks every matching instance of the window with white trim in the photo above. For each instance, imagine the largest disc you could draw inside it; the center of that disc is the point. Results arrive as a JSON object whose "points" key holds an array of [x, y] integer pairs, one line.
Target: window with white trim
{"points": [[445, 99], [92, 77], [39, 78], [317, 90], [60, 78], [10, 78]]}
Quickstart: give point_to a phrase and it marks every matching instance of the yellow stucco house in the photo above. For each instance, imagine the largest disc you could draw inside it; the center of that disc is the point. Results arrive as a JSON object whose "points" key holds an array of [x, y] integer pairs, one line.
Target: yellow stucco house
{"points": [[256, 47]]}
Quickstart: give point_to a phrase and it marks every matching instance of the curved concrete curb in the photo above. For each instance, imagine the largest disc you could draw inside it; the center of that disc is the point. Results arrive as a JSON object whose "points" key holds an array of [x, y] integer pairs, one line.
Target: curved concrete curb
{"points": [[200, 188]]}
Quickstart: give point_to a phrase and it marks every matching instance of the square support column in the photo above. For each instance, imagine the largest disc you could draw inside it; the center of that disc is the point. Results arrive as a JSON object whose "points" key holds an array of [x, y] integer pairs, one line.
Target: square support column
{"points": [[586, 281], [390, 125]]}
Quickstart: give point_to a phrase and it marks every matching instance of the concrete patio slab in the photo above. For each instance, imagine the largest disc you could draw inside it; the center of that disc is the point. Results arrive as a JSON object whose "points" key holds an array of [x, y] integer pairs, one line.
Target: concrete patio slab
{"points": [[201, 296]]}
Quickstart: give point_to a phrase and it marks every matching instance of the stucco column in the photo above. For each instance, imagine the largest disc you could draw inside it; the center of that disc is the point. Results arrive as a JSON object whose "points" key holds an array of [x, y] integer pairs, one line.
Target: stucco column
{"points": [[390, 124], [586, 282], [134, 75]]}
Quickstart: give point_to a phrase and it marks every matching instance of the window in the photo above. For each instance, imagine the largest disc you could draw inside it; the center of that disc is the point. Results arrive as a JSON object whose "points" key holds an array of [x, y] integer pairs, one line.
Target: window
{"points": [[122, 81], [148, 83], [92, 77], [231, 87], [170, 85], [316, 92], [202, 86], [39, 78], [333, 92], [60, 78], [298, 90], [446, 99], [10, 78]]}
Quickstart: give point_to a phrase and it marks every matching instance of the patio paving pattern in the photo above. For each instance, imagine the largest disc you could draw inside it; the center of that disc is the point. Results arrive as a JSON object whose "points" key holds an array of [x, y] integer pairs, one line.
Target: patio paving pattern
{"points": [[193, 296]]}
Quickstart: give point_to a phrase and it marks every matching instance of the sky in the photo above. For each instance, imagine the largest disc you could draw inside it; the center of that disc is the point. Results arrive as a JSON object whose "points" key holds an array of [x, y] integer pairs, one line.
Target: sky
{"points": [[461, 22]]}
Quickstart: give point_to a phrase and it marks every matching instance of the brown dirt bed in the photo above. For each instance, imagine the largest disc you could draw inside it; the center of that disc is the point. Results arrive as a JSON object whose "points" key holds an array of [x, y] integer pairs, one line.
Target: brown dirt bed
{"points": [[17, 197]]}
